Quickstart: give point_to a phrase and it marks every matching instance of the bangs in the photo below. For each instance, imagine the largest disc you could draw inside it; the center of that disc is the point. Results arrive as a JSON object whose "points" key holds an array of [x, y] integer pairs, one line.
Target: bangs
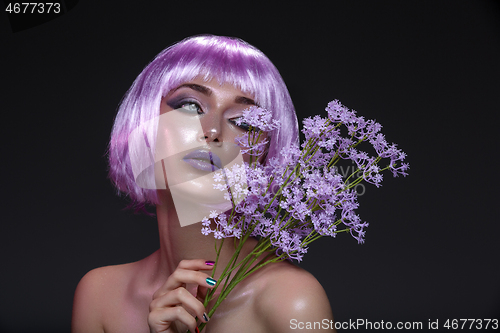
{"points": [[228, 61]]}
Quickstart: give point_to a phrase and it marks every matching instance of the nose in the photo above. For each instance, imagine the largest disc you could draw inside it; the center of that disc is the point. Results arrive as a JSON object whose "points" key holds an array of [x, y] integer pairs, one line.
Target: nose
{"points": [[211, 135], [211, 131]]}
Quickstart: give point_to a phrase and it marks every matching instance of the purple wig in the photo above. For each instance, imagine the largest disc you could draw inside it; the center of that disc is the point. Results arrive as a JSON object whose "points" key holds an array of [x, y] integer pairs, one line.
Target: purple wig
{"points": [[229, 60]]}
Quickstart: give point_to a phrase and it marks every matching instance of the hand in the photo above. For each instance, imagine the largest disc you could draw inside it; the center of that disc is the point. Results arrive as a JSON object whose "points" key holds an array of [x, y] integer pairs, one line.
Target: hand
{"points": [[173, 303]]}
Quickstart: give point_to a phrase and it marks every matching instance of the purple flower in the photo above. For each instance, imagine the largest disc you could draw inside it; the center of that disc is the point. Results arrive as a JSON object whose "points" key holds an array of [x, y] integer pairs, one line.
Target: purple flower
{"points": [[258, 118], [218, 234], [206, 231]]}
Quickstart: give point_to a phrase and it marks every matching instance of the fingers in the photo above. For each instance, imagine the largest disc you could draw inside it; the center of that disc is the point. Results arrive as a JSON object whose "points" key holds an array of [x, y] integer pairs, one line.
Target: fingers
{"points": [[187, 272], [172, 302], [161, 319], [179, 296], [196, 264], [178, 305]]}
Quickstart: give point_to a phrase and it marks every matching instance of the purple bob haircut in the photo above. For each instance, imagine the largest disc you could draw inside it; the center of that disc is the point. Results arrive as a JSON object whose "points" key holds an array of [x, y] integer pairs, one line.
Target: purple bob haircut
{"points": [[229, 60]]}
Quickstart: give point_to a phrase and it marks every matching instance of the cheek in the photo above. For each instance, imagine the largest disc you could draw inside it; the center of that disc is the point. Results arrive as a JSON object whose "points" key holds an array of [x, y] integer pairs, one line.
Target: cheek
{"points": [[177, 133]]}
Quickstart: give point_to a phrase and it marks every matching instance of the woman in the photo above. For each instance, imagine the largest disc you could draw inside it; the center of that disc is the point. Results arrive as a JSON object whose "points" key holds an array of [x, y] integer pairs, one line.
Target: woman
{"points": [[211, 79]]}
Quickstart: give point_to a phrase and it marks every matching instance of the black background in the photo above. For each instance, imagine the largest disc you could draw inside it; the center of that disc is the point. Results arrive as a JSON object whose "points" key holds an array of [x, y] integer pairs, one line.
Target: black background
{"points": [[428, 71]]}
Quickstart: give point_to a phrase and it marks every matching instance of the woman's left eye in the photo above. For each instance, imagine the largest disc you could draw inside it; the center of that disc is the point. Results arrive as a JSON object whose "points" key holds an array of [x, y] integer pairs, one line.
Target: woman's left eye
{"points": [[243, 125]]}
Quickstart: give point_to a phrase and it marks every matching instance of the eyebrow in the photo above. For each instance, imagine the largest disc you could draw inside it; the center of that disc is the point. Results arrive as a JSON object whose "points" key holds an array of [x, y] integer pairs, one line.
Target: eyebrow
{"points": [[245, 100], [208, 92], [204, 90]]}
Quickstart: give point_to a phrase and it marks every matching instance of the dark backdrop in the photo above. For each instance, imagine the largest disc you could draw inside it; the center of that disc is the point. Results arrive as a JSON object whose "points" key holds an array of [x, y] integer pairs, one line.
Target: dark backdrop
{"points": [[427, 70]]}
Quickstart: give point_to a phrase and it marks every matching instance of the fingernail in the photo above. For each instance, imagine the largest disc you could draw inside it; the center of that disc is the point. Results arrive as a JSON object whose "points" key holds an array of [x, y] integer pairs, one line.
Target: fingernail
{"points": [[205, 317], [197, 330], [209, 262], [211, 281]]}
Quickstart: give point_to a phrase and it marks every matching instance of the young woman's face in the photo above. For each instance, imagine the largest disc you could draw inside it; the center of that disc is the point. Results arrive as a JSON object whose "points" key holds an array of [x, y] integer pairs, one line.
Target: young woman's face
{"points": [[196, 137]]}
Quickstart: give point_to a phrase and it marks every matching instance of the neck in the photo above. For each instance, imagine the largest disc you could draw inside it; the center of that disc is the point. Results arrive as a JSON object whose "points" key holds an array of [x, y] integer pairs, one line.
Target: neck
{"points": [[183, 243]]}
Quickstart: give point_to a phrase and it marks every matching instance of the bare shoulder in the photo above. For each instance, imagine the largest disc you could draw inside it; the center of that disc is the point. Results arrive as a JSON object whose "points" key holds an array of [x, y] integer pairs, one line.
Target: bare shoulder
{"points": [[292, 295], [103, 280], [93, 295]]}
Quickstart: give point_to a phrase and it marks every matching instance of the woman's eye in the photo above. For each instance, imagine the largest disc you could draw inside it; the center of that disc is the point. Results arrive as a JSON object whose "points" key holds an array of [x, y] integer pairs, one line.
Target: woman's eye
{"points": [[243, 125], [191, 107]]}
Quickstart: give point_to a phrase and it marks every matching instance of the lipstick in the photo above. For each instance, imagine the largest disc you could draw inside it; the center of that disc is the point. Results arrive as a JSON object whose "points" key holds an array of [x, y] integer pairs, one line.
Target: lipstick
{"points": [[203, 160]]}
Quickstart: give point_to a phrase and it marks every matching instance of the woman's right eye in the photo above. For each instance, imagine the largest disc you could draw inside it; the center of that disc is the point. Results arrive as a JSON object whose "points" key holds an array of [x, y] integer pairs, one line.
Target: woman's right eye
{"points": [[191, 107]]}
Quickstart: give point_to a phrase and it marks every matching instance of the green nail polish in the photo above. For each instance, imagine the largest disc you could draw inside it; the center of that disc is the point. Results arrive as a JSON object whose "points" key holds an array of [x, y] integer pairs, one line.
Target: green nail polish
{"points": [[211, 281]]}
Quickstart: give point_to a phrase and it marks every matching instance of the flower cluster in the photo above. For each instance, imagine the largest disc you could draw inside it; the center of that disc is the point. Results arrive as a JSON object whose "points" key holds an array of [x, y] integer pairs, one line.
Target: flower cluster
{"points": [[292, 203], [366, 130], [258, 121]]}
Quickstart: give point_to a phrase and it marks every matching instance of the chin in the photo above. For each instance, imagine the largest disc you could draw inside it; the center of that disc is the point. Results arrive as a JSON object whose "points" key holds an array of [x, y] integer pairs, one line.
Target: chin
{"points": [[196, 199]]}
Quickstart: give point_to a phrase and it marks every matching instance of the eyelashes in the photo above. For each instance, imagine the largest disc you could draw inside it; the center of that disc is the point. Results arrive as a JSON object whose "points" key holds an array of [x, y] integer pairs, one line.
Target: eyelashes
{"points": [[244, 126], [191, 107], [186, 104]]}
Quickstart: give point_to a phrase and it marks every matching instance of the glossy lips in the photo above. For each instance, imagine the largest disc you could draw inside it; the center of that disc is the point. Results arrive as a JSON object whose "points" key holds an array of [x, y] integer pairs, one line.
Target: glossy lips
{"points": [[203, 160]]}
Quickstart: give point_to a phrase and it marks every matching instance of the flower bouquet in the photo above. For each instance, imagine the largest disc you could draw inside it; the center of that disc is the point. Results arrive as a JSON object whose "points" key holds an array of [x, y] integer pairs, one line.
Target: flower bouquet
{"points": [[288, 204]]}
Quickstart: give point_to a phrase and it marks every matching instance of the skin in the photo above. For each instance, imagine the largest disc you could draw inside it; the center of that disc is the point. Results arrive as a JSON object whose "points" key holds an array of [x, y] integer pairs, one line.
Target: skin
{"points": [[162, 292]]}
